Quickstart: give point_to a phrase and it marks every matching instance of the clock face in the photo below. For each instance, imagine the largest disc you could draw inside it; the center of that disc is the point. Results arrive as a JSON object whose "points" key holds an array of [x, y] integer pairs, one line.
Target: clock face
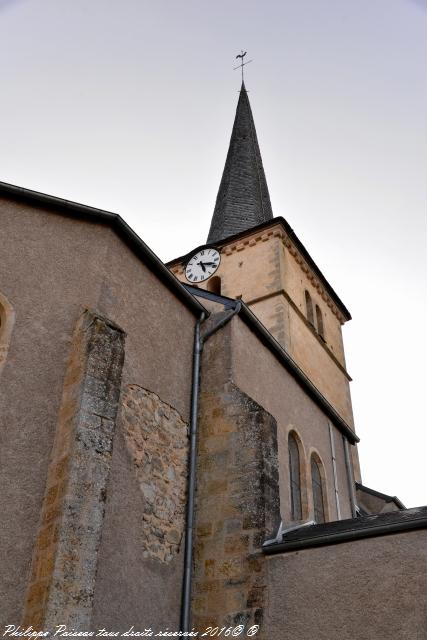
{"points": [[202, 265]]}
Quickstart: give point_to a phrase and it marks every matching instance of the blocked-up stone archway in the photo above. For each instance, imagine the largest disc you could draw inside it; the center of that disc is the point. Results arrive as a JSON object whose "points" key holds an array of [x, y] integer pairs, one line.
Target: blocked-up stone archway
{"points": [[157, 441]]}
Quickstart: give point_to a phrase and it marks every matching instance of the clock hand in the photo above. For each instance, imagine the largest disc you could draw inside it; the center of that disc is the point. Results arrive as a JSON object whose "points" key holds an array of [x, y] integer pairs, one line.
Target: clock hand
{"points": [[208, 264], [202, 264]]}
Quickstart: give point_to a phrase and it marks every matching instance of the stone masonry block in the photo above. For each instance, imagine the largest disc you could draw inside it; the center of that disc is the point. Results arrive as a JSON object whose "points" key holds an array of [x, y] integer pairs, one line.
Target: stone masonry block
{"points": [[66, 549], [237, 501], [157, 440]]}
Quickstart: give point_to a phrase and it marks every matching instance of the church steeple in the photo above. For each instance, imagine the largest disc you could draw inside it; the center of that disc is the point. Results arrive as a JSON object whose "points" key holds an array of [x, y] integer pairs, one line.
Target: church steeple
{"points": [[243, 200]]}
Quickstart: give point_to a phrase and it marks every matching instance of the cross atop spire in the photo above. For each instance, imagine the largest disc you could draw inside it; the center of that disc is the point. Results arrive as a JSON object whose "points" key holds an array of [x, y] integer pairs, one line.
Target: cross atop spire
{"points": [[241, 55], [243, 200]]}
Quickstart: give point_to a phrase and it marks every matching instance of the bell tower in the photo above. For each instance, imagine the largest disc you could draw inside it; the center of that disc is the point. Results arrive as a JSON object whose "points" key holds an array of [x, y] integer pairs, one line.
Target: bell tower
{"points": [[263, 262]]}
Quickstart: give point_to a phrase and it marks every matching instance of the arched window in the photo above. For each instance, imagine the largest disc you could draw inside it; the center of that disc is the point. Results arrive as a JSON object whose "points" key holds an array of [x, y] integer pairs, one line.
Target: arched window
{"points": [[318, 493], [309, 308], [214, 285], [295, 478], [319, 319]]}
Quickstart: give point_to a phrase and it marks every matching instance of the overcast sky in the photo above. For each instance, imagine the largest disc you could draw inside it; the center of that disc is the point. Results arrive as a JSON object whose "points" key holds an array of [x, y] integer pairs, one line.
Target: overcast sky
{"points": [[129, 105]]}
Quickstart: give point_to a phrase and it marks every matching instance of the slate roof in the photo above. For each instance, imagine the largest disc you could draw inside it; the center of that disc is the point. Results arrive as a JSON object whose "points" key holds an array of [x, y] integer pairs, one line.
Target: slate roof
{"points": [[352, 529], [378, 494], [243, 200]]}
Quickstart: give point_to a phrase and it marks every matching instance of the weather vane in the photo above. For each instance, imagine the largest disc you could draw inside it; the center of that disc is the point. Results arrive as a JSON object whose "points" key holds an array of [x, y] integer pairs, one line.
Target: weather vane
{"points": [[241, 55]]}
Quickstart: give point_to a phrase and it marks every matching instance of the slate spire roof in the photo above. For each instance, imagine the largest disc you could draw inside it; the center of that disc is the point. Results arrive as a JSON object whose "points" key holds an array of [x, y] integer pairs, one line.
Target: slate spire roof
{"points": [[243, 200]]}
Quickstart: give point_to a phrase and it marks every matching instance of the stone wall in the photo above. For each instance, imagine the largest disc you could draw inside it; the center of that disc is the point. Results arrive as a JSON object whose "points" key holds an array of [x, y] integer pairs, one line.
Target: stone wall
{"points": [[237, 497], [157, 440]]}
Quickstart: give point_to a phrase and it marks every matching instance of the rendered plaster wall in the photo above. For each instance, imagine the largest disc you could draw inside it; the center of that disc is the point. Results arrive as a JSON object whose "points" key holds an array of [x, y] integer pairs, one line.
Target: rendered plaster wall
{"points": [[258, 373], [54, 266], [45, 260], [158, 359], [371, 589]]}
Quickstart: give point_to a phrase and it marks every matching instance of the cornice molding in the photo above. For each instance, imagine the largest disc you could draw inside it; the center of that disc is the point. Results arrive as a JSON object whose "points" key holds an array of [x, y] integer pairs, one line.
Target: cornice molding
{"points": [[276, 231]]}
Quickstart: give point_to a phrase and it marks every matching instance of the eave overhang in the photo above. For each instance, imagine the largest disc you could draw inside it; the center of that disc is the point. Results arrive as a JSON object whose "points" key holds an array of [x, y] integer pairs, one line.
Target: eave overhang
{"points": [[116, 222], [285, 359], [349, 530]]}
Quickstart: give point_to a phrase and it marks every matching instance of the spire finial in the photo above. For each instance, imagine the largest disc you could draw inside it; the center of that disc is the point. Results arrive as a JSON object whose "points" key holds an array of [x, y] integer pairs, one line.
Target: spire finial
{"points": [[241, 55]]}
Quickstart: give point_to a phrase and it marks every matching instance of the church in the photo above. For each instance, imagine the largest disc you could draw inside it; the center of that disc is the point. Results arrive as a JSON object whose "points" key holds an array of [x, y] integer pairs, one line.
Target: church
{"points": [[178, 448]]}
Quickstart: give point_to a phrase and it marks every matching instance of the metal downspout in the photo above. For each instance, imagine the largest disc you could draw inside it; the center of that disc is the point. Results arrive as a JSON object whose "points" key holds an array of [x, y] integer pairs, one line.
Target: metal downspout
{"points": [[188, 553], [350, 477], [189, 530], [334, 468]]}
